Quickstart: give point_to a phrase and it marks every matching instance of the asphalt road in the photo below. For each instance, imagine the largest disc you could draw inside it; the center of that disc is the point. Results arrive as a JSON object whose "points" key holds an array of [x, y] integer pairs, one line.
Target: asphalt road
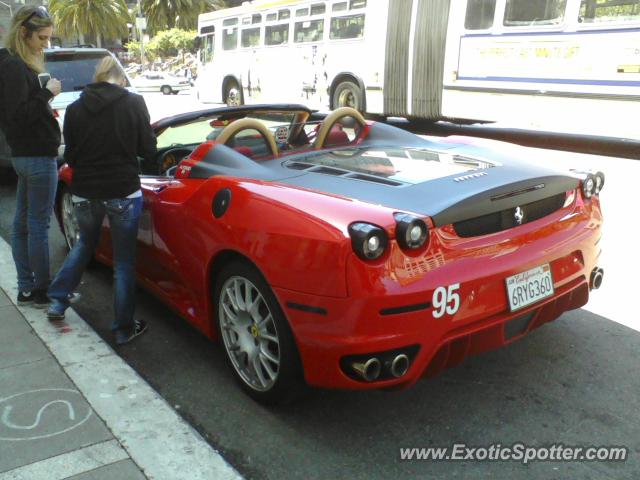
{"points": [[573, 382]]}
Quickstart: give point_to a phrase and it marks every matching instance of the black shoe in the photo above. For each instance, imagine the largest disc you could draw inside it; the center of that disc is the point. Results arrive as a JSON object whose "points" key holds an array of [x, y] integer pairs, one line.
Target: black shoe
{"points": [[123, 336], [25, 298], [36, 298], [73, 297], [54, 315], [40, 299]]}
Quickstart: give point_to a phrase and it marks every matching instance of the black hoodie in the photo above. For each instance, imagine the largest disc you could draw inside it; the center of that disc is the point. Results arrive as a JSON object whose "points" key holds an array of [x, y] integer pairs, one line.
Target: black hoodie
{"points": [[25, 115], [105, 130]]}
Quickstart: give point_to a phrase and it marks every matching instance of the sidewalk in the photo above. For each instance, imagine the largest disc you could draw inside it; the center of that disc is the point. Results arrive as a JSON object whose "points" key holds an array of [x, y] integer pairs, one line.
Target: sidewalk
{"points": [[71, 408]]}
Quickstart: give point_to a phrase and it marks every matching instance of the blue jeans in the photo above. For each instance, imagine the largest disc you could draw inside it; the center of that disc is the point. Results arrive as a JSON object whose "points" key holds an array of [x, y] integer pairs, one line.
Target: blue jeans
{"points": [[35, 194], [123, 214]]}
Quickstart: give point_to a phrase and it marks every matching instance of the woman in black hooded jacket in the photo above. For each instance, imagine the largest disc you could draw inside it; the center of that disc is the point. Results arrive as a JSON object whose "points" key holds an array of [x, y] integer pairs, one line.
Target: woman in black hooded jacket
{"points": [[33, 135]]}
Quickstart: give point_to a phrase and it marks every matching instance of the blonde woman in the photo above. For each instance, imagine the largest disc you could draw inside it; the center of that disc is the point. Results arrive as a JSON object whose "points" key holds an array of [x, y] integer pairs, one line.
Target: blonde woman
{"points": [[105, 130], [34, 137]]}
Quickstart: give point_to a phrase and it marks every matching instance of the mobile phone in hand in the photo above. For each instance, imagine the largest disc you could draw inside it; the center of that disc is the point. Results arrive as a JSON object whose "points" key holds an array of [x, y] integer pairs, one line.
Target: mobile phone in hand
{"points": [[43, 78]]}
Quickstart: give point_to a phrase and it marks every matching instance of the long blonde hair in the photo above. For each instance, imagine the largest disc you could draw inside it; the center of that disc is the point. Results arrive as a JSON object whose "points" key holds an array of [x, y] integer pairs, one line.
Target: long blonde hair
{"points": [[15, 41]]}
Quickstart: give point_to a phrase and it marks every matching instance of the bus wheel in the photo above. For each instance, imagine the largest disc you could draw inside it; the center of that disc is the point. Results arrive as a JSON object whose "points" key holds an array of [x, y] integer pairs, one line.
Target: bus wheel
{"points": [[232, 95], [347, 94]]}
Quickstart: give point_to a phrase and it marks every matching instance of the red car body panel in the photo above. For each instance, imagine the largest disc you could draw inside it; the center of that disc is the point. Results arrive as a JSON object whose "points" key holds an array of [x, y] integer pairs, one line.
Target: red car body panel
{"points": [[339, 305]]}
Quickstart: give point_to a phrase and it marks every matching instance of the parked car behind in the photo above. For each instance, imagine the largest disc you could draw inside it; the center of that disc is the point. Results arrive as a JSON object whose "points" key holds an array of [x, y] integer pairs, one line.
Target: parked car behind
{"points": [[161, 82], [74, 67]]}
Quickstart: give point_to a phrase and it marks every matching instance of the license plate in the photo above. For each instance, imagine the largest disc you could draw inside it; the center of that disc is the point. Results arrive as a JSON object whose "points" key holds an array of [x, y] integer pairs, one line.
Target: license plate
{"points": [[526, 288]]}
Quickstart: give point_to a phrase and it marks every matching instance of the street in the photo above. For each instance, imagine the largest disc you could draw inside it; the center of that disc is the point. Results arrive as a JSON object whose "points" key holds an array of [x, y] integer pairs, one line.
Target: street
{"points": [[573, 382]]}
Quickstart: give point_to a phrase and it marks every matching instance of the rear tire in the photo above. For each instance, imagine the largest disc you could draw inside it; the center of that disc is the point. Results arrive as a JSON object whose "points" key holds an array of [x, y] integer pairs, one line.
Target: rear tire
{"points": [[347, 94], [166, 90], [255, 335]]}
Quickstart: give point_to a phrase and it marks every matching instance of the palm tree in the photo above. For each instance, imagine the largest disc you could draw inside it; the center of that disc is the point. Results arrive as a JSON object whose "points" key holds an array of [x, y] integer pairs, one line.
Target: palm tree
{"points": [[103, 18], [167, 14]]}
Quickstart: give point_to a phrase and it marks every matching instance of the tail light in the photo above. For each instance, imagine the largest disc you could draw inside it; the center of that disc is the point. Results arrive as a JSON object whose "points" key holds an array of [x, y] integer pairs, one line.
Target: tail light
{"points": [[411, 232], [368, 241]]}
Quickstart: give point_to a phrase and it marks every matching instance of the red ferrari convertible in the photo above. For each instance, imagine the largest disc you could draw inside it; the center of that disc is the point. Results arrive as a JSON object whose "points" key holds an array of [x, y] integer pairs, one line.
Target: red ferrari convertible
{"points": [[343, 253]]}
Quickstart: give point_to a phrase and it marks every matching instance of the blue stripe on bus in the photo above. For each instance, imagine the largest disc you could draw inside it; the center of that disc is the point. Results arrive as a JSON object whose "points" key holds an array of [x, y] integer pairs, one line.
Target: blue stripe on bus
{"points": [[568, 81], [545, 33]]}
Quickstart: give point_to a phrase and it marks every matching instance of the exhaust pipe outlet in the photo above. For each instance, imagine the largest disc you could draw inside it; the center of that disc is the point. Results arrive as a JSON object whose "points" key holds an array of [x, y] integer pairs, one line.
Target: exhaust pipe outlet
{"points": [[597, 275], [399, 365], [369, 370]]}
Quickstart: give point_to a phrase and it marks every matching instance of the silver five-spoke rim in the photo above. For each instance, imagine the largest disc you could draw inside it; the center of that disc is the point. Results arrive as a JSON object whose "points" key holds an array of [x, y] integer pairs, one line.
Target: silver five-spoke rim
{"points": [[249, 333], [69, 222]]}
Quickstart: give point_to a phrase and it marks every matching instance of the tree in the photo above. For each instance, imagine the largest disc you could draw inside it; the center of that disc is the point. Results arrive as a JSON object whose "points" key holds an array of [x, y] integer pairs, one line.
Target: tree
{"points": [[167, 14], [103, 18]]}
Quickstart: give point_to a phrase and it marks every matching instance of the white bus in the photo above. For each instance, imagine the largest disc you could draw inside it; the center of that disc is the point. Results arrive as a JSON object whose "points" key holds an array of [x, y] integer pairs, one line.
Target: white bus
{"points": [[327, 54], [571, 64]]}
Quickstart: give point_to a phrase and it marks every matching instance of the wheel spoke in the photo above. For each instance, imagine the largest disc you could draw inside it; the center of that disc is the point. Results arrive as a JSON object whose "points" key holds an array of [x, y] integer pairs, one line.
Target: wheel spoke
{"points": [[265, 363], [237, 291], [262, 325], [256, 365], [268, 355], [267, 336], [230, 314]]}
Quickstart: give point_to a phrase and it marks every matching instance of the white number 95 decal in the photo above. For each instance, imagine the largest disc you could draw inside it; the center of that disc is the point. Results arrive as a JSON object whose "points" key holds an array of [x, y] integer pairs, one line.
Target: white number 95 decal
{"points": [[446, 300]]}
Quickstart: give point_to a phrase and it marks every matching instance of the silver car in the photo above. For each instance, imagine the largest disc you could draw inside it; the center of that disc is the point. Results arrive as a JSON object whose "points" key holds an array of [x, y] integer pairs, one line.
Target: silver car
{"points": [[75, 68]]}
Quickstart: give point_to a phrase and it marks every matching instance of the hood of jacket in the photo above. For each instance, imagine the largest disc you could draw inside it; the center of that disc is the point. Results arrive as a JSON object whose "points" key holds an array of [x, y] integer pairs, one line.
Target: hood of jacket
{"points": [[97, 96]]}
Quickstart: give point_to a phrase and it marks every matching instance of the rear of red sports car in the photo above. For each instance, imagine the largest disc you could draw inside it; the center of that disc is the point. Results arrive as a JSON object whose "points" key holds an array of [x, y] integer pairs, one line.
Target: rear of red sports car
{"points": [[501, 254]]}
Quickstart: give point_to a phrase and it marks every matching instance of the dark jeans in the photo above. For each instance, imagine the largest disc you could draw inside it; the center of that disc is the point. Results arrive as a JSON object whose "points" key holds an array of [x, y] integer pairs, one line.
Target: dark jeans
{"points": [[123, 214], [35, 194]]}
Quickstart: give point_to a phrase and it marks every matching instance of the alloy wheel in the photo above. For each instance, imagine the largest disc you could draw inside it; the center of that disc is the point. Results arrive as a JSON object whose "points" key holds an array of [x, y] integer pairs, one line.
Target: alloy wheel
{"points": [[249, 333]]}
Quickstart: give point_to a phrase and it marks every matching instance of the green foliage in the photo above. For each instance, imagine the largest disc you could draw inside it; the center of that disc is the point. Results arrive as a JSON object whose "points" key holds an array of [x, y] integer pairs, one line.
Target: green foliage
{"points": [[165, 14], [170, 43], [76, 18]]}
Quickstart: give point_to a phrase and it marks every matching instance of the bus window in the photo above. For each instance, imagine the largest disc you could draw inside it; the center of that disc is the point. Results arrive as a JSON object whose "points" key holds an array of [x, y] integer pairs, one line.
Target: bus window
{"points": [[339, 7], [317, 9], [256, 18], [302, 12], [208, 48], [276, 34], [250, 37], [284, 14], [520, 13], [309, 31], [347, 27], [479, 14], [230, 38], [595, 11], [353, 4], [272, 17]]}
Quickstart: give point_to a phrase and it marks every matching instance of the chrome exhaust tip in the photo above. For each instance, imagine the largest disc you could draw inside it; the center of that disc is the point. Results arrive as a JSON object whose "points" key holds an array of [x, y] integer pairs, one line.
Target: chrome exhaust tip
{"points": [[399, 365], [597, 275], [369, 370]]}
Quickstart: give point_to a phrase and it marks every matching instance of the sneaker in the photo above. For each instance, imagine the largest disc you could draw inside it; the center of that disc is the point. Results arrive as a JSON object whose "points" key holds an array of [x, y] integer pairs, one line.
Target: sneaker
{"points": [[123, 336], [73, 297], [54, 316], [36, 298], [40, 299], [25, 298]]}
